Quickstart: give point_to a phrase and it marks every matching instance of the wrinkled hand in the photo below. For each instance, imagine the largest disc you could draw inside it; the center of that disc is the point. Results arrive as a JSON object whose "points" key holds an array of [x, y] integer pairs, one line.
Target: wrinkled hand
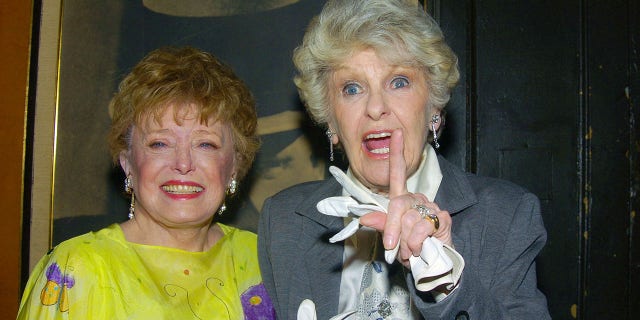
{"points": [[403, 223]]}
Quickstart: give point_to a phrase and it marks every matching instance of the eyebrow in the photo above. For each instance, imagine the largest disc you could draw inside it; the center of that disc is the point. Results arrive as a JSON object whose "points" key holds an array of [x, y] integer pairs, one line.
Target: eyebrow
{"points": [[208, 132]]}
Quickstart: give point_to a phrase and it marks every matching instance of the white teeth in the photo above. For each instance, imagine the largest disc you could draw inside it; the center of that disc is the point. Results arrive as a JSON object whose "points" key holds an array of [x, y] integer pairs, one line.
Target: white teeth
{"points": [[378, 135], [181, 189], [380, 151]]}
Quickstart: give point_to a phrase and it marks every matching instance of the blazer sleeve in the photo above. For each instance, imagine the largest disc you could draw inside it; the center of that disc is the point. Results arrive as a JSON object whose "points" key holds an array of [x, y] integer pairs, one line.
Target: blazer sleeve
{"points": [[264, 254], [501, 283]]}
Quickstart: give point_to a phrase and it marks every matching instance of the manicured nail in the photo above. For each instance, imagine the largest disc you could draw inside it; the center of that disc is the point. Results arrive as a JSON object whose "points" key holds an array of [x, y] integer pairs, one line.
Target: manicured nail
{"points": [[388, 242]]}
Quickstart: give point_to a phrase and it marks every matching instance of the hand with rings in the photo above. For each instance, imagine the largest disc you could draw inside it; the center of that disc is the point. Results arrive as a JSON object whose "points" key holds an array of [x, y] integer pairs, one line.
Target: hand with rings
{"points": [[411, 217]]}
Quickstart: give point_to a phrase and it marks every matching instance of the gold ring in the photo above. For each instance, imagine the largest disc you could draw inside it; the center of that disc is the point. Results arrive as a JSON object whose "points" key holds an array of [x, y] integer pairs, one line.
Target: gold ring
{"points": [[426, 214], [434, 219]]}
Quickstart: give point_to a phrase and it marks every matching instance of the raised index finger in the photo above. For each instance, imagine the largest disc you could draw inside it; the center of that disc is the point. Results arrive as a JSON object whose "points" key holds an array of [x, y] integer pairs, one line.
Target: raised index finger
{"points": [[397, 187], [397, 165]]}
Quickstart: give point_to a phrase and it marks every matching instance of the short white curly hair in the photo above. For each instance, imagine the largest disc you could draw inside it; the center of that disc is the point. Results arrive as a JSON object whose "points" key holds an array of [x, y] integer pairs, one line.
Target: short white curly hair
{"points": [[398, 30]]}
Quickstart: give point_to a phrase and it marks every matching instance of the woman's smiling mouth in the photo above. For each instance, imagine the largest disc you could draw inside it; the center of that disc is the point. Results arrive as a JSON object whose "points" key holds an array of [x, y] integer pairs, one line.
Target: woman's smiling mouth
{"points": [[181, 189]]}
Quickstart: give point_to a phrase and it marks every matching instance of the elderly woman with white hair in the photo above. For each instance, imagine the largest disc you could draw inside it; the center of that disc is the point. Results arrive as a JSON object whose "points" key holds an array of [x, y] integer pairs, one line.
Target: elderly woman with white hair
{"points": [[403, 234]]}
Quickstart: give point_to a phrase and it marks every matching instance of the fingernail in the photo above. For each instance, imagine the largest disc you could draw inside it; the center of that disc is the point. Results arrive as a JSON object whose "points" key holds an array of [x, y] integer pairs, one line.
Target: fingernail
{"points": [[388, 242]]}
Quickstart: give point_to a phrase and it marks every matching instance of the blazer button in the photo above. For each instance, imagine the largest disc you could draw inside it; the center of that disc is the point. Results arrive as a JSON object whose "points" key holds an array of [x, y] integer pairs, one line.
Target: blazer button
{"points": [[462, 315]]}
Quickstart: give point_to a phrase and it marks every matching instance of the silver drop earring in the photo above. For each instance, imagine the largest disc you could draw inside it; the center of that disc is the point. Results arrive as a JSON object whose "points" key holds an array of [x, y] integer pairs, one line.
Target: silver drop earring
{"points": [[329, 136], [435, 119], [129, 190]]}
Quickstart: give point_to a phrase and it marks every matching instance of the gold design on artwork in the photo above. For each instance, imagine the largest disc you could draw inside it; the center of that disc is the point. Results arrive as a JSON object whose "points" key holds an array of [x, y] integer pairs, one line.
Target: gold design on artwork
{"points": [[213, 8], [281, 122], [295, 162]]}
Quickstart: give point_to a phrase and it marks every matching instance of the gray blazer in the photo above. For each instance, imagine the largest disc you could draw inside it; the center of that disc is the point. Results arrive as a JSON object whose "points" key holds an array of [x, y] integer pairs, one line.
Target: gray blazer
{"points": [[497, 228]]}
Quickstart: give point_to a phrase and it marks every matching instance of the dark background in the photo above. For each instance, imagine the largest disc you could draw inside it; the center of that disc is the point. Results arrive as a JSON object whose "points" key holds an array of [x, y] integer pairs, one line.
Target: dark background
{"points": [[548, 99]]}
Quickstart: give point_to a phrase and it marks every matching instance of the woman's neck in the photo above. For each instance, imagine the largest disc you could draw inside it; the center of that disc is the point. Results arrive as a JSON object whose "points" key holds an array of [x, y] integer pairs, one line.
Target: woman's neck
{"points": [[194, 239]]}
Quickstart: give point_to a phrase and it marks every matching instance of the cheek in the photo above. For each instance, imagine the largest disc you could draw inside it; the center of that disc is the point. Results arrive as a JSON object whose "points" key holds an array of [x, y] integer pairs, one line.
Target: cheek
{"points": [[416, 130], [137, 166], [346, 127], [416, 120], [337, 125], [349, 139], [419, 134], [420, 126], [145, 168], [144, 173]]}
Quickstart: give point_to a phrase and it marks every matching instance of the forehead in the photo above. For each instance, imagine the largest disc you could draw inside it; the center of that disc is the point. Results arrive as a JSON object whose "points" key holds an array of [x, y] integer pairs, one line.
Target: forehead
{"points": [[189, 123], [174, 114], [370, 59]]}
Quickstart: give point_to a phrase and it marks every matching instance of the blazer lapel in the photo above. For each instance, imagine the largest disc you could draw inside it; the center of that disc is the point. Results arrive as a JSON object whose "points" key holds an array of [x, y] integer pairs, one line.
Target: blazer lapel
{"points": [[454, 194]]}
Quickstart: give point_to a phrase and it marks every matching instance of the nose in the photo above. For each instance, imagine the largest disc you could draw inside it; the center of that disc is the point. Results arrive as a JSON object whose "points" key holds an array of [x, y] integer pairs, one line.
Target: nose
{"points": [[376, 105], [183, 161]]}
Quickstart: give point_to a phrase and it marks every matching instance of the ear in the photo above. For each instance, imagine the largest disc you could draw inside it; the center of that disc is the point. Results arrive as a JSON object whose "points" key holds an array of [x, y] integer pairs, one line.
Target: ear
{"points": [[124, 162], [334, 137], [236, 163], [233, 176]]}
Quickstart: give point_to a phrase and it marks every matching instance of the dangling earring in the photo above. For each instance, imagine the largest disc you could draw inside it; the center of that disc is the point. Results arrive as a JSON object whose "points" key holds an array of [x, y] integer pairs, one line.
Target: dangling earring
{"points": [[129, 190], [223, 207], [127, 184], [435, 119], [330, 135], [233, 185], [132, 207]]}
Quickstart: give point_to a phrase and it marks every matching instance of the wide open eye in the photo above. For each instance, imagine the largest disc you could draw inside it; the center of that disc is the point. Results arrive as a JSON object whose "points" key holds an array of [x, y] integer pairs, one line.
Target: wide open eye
{"points": [[351, 89], [399, 82]]}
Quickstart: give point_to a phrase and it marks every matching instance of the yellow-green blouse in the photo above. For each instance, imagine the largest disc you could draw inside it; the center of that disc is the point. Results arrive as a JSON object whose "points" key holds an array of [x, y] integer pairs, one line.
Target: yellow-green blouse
{"points": [[99, 275]]}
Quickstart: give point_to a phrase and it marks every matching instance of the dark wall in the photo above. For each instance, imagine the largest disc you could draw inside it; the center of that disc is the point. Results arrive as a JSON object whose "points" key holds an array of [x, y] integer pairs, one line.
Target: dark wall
{"points": [[549, 100]]}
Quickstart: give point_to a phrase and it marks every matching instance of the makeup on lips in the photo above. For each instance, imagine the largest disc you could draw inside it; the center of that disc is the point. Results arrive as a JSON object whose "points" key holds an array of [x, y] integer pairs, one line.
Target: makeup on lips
{"points": [[182, 190], [376, 144]]}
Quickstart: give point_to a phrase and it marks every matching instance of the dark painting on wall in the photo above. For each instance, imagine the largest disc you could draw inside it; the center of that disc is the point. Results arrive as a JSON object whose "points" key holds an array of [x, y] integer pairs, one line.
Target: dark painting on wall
{"points": [[102, 40]]}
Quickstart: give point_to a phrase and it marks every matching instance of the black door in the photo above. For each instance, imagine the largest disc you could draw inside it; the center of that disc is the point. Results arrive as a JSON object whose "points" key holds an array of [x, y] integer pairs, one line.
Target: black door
{"points": [[549, 100]]}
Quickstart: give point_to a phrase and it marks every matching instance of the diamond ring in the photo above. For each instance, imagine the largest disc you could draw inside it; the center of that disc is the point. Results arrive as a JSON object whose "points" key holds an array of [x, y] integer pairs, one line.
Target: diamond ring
{"points": [[425, 213]]}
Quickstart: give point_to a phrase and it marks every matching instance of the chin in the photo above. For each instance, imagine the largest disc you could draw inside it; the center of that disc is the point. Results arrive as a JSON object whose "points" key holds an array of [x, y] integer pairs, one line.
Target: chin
{"points": [[376, 181]]}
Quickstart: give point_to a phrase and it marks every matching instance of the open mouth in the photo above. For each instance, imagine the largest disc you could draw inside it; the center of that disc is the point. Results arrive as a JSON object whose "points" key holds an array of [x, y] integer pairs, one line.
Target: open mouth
{"points": [[181, 189], [377, 143]]}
